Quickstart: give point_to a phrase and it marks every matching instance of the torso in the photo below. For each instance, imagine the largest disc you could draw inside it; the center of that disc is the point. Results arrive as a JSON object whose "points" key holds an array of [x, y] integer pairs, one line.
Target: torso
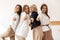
{"points": [[14, 21], [23, 27], [36, 23], [44, 21]]}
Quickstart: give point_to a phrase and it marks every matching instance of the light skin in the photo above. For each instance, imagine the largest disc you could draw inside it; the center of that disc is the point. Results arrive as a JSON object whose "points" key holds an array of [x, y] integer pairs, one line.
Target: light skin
{"points": [[44, 9], [31, 10], [27, 11], [32, 20], [17, 8]]}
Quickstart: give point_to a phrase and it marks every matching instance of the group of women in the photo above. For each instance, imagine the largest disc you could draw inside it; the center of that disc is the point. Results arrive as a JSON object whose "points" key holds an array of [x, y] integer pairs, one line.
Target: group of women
{"points": [[26, 17]]}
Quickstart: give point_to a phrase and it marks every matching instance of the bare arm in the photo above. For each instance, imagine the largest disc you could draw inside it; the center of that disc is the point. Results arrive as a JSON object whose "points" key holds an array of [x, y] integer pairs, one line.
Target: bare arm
{"points": [[38, 18]]}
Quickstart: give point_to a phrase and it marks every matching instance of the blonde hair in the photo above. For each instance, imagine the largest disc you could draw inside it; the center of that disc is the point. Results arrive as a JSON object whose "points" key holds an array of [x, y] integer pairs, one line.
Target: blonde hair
{"points": [[34, 7]]}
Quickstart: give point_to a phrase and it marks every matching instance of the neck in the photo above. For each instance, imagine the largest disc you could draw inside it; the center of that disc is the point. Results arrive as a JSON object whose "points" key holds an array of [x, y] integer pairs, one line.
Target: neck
{"points": [[27, 13], [43, 12]]}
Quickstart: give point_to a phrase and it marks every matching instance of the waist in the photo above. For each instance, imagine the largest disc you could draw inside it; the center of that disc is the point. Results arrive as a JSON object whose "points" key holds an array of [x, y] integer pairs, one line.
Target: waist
{"points": [[45, 25]]}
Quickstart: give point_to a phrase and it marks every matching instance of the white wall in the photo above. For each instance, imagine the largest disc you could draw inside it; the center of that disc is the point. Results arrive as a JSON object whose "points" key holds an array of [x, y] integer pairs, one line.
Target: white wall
{"points": [[7, 8]]}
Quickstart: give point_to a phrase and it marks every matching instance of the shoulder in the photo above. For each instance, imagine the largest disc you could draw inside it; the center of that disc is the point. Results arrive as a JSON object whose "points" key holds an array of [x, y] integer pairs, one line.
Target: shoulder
{"points": [[23, 14], [39, 14], [15, 16]]}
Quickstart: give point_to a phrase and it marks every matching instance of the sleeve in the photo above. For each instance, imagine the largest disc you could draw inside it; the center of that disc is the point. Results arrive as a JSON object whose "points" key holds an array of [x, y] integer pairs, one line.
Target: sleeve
{"points": [[23, 14], [34, 15], [14, 22]]}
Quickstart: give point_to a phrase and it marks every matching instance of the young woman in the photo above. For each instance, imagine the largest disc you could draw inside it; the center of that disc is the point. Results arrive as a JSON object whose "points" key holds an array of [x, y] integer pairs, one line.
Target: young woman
{"points": [[35, 24], [14, 22], [45, 23], [23, 27]]}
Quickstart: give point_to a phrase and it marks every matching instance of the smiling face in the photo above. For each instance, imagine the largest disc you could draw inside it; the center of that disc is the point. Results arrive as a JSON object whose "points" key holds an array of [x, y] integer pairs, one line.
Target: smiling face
{"points": [[44, 9], [26, 9], [33, 8], [17, 9], [30, 9]]}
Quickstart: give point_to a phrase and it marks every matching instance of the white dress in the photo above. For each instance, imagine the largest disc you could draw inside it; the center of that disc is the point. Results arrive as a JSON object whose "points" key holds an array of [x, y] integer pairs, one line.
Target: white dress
{"points": [[44, 21], [23, 27], [14, 23]]}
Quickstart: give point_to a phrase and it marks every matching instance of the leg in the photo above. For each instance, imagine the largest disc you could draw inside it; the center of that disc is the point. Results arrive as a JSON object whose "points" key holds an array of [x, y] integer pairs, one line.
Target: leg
{"points": [[3, 38], [40, 33], [47, 35], [12, 34], [37, 33], [20, 38], [34, 34], [12, 37]]}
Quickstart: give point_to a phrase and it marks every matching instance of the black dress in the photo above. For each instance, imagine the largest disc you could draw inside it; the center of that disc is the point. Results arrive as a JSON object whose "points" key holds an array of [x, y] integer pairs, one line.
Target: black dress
{"points": [[35, 22]]}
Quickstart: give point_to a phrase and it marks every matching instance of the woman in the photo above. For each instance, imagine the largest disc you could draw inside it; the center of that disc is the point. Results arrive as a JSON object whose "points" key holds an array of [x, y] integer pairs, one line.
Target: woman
{"points": [[14, 23], [35, 24], [23, 27], [45, 23]]}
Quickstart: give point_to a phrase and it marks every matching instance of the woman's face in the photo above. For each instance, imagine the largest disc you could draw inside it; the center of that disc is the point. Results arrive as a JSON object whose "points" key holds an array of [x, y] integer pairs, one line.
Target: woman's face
{"points": [[32, 9], [44, 9], [17, 9], [27, 9]]}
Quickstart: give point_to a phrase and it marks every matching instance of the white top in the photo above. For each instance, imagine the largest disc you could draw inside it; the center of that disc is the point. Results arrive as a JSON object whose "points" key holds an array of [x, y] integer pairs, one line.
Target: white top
{"points": [[14, 21], [23, 27], [44, 21]]}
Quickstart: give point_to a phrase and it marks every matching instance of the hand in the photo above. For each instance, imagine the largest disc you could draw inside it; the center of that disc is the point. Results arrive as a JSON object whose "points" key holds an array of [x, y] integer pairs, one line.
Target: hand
{"points": [[32, 20], [25, 17], [14, 19]]}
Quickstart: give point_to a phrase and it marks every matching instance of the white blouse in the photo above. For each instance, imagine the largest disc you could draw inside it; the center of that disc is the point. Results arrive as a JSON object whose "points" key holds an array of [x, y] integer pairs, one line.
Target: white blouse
{"points": [[23, 27], [44, 21], [14, 21]]}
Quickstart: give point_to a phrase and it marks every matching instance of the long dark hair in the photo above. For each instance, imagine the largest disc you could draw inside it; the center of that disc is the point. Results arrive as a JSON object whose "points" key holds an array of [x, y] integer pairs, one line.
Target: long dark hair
{"points": [[46, 9], [20, 9]]}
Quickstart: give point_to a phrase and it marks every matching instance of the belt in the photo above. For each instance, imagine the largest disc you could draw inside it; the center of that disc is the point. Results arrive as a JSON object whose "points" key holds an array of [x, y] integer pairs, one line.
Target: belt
{"points": [[47, 26]]}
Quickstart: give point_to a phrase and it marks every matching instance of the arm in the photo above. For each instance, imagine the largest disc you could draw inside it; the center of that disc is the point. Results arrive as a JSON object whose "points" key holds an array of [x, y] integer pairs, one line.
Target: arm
{"points": [[31, 21], [8, 32], [38, 18]]}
